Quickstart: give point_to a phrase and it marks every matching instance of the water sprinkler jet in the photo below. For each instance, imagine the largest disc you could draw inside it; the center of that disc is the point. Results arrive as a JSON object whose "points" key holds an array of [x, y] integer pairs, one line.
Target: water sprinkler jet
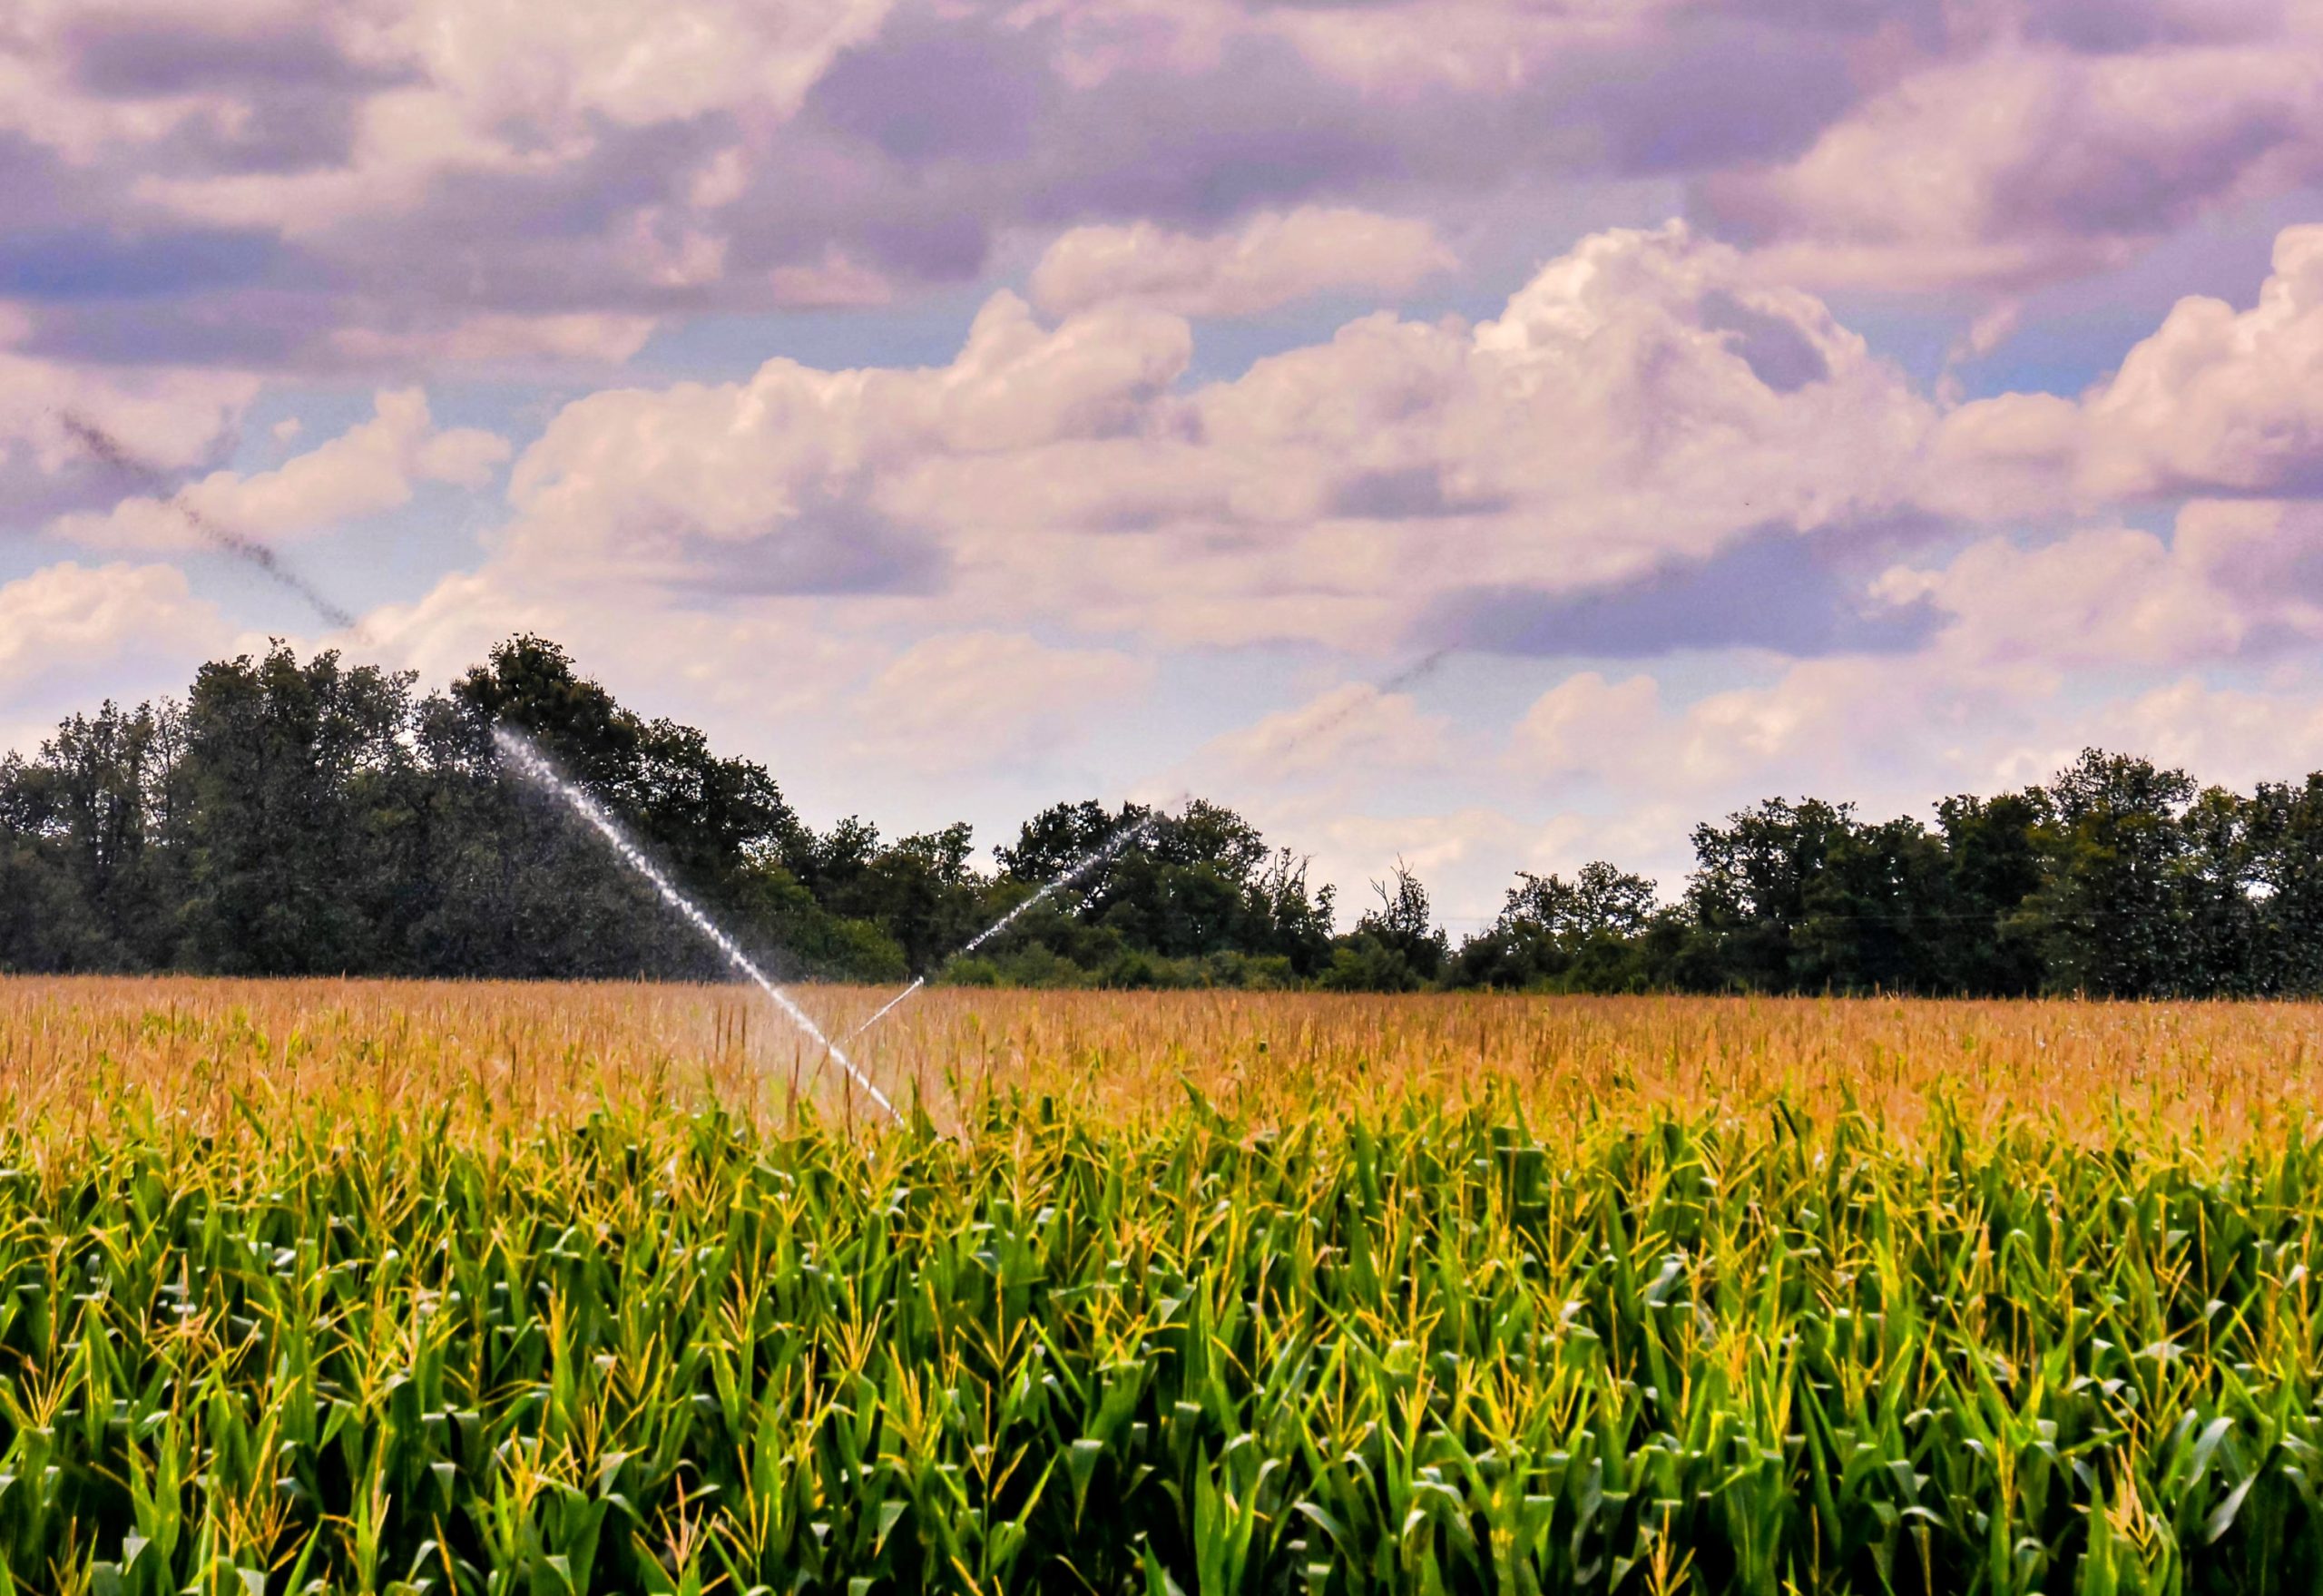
{"points": [[519, 753], [1081, 866]]}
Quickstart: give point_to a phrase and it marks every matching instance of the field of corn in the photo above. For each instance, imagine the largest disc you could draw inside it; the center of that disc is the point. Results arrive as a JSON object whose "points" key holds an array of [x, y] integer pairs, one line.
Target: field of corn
{"points": [[369, 1287]]}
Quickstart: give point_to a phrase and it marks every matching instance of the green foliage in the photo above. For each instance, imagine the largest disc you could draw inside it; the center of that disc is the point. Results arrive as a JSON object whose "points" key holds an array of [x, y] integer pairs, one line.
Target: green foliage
{"points": [[316, 818], [1397, 947], [295, 815], [81, 886], [308, 818], [2119, 878], [1424, 1352], [1189, 889], [2114, 907], [1600, 932]]}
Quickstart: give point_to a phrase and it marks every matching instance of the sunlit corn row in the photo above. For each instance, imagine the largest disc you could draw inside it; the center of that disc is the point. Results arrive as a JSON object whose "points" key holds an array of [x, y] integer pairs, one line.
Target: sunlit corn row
{"points": [[209, 1053], [1405, 1348]]}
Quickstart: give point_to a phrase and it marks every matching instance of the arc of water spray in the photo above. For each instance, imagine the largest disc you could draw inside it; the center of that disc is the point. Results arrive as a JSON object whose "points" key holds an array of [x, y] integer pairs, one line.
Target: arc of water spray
{"points": [[1072, 872], [886, 1008], [1080, 866], [1418, 670], [534, 765]]}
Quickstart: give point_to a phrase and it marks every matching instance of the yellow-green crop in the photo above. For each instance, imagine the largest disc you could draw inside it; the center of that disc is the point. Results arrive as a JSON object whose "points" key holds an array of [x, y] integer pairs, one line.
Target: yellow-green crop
{"points": [[1394, 1343]]}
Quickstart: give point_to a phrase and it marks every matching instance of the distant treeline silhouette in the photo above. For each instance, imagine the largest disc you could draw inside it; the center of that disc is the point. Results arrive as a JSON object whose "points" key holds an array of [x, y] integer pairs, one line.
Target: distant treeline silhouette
{"points": [[318, 817]]}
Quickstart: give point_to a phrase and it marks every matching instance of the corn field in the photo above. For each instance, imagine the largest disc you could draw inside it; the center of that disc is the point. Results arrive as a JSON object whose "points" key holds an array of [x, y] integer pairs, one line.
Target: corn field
{"points": [[289, 1307]]}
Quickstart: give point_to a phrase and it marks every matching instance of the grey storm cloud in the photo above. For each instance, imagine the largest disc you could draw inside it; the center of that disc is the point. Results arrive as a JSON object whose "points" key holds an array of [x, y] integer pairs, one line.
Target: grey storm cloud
{"points": [[1776, 591], [298, 93], [922, 146], [835, 545], [90, 263], [925, 92], [2140, 189], [911, 154], [134, 57], [1777, 349], [1725, 90], [2120, 26], [1415, 492]]}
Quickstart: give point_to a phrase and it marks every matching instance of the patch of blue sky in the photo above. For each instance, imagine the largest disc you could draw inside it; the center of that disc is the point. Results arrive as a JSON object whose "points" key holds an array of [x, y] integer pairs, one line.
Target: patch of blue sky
{"points": [[103, 263], [398, 556], [923, 328], [321, 413], [2071, 335], [21, 556]]}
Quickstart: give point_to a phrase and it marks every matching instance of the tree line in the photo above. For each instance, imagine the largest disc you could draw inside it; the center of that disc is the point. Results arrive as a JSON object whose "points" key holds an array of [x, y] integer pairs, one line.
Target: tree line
{"points": [[311, 816]]}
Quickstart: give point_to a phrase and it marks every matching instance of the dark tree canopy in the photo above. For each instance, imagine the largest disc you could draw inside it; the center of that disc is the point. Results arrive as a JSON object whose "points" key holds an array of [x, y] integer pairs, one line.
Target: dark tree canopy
{"points": [[297, 817]]}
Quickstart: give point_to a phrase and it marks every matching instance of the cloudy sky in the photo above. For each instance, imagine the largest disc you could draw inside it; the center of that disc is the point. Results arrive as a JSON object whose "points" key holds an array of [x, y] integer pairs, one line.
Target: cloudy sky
{"points": [[1496, 433]]}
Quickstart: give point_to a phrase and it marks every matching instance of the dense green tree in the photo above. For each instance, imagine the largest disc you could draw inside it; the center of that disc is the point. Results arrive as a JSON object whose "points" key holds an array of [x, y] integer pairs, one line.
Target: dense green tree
{"points": [[2284, 839], [920, 892], [84, 818], [1060, 837], [297, 817], [47, 921], [1395, 946], [1587, 935], [1751, 893], [2112, 911], [1199, 890], [530, 683], [1995, 862], [2220, 916], [1874, 913], [527, 891], [294, 813]]}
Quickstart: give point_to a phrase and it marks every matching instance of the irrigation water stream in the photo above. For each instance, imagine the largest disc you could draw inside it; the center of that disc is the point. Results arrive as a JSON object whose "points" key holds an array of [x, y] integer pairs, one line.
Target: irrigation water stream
{"points": [[1080, 866], [536, 766]]}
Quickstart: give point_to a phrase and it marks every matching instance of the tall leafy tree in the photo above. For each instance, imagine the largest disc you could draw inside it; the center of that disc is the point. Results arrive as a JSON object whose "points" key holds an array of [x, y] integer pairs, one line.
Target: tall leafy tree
{"points": [[1396, 946], [2284, 840], [919, 894], [2112, 912], [294, 809], [1995, 859], [86, 815], [1200, 884], [526, 890], [1873, 912], [2219, 950], [1750, 892], [1589, 934]]}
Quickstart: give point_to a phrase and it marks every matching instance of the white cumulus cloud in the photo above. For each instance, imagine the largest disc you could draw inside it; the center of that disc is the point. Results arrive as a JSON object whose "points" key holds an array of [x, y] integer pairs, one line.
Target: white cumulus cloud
{"points": [[1271, 260], [72, 625], [373, 466]]}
